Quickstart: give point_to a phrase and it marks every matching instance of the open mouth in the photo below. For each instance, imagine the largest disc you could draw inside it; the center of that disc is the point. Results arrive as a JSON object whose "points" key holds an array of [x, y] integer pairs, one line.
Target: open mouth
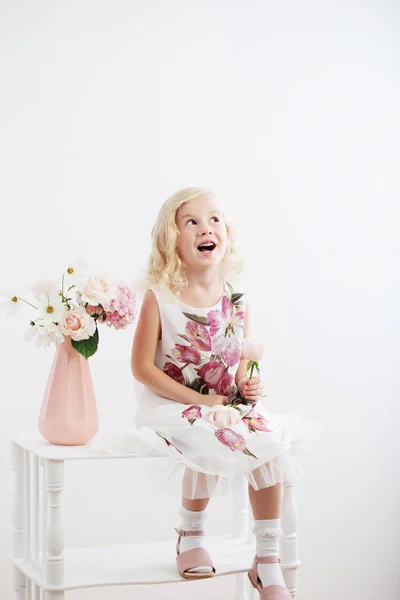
{"points": [[207, 247]]}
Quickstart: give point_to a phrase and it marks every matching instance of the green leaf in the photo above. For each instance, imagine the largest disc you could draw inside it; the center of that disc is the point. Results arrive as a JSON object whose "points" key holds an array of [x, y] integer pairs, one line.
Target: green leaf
{"points": [[173, 360], [87, 347], [230, 290], [185, 337], [236, 297], [197, 319], [199, 385]]}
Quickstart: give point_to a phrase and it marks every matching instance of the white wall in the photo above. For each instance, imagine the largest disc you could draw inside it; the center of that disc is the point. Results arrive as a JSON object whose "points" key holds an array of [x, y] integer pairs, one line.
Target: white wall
{"points": [[290, 112]]}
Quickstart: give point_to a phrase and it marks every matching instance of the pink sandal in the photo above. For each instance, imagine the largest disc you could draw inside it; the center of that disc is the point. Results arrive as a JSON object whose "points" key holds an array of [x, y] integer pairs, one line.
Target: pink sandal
{"points": [[192, 558], [269, 592]]}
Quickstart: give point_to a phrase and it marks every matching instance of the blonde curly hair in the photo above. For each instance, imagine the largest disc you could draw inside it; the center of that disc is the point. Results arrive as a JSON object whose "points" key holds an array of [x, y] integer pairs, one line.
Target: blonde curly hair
{"points": [[165, 266]]}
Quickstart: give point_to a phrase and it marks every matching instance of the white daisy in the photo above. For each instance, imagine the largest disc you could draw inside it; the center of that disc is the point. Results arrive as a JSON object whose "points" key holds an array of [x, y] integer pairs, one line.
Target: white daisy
{"points": [[44, 334], [10, 303], [75, 274], [50, 309]]}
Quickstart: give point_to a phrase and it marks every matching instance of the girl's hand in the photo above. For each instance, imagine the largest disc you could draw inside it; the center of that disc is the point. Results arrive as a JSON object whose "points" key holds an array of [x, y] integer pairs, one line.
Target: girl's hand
{"points": [[214, 399], [250, 389]]}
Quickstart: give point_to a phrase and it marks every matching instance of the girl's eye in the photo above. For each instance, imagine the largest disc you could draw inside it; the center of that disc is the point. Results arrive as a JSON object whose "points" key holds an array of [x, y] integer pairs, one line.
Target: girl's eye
{"points": [[191, 220], [216, 219]]}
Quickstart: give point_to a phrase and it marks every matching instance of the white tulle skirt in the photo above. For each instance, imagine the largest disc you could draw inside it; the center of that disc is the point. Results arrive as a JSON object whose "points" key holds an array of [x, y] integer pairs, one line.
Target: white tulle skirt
{"points": [[208, 448]]}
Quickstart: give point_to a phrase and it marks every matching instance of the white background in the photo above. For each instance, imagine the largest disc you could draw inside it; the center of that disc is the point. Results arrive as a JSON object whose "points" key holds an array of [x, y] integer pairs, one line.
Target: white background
{"points": [[290, 112]]}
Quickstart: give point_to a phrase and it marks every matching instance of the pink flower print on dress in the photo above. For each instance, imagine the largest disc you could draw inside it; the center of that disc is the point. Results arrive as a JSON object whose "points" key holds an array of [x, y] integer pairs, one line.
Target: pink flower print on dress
{"points": [[256, 422], [212, 372], [192, 413], [198, 335], [186, 354], [174, 371], [232, 440], [223, 330], [224, 384], [223, 416], [167, 441]]}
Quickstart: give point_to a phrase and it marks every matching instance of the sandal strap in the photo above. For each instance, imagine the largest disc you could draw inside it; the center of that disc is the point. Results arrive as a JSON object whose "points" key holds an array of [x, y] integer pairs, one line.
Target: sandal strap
{"points": [[183, 533], [260, 559], [267, 559]]}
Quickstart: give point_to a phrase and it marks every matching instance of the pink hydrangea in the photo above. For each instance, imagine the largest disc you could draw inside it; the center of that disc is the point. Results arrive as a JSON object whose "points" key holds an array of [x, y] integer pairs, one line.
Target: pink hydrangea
{"points": [[122, 307]]}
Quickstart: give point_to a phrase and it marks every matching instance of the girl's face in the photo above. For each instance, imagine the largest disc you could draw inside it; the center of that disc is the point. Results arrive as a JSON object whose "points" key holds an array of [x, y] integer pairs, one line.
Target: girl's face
{"points": [[203, 238]]}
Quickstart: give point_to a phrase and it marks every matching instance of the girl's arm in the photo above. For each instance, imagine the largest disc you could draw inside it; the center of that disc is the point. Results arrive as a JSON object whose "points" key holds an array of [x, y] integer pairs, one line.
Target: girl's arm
{"points": [[241, 370], [144, 347], [250, 390]]}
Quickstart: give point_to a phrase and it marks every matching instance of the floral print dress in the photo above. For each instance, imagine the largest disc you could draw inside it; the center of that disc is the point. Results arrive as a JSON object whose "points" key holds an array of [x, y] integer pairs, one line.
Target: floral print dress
{"points": [[201, 348]]}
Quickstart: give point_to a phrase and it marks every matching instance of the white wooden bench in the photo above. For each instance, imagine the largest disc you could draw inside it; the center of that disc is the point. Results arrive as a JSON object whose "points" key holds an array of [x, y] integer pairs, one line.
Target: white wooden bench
{"points": [[45, 570]]}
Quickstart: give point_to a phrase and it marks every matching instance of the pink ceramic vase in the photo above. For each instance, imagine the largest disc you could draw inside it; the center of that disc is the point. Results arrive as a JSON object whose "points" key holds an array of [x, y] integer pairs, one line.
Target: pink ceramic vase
{"points": [[68, 416]]}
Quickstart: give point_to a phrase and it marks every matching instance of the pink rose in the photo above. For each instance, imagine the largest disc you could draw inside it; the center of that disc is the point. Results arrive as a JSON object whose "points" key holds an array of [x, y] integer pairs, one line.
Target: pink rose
{"points": [[212, 372], [187, 354], [78, 324], [252, 349], [223, 416]]}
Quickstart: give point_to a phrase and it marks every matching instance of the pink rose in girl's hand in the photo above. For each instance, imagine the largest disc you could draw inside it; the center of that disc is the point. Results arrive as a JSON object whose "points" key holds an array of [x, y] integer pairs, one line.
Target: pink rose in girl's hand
{"points": [[78, 324], [252, 349], [223, 416]]}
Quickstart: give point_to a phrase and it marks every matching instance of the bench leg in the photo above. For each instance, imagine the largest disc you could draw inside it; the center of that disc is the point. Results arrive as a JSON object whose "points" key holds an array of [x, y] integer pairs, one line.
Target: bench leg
{"points": [[19, 584], [54, 537]]}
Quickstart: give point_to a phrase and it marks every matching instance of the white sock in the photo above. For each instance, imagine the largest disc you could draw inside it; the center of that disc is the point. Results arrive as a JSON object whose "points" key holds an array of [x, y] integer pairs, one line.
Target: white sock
{"points": [[267, 534], [191, 520]]}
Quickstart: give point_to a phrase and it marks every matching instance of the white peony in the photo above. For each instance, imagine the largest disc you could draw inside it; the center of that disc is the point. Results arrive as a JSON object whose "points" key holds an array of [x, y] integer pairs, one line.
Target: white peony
{"points": [[98, 290]]}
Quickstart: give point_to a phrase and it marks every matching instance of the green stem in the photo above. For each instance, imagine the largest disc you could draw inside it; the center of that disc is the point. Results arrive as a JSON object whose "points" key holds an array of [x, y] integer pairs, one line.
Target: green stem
{"points": [[251, 370], [26, 302]]}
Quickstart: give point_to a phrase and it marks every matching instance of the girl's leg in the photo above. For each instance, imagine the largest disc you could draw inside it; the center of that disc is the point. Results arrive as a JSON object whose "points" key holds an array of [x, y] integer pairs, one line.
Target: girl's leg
{"points": [[266, 507], [199, 504], [193, 514], [266, 502]]}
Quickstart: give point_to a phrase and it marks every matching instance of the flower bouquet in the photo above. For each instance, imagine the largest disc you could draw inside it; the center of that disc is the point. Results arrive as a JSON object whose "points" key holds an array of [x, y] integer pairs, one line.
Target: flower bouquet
{"points": [[68, 314], [73, 308]]}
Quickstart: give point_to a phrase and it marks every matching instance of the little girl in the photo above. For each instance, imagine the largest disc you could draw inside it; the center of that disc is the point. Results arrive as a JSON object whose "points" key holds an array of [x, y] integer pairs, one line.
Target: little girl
{"points": [[187, 356]]}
